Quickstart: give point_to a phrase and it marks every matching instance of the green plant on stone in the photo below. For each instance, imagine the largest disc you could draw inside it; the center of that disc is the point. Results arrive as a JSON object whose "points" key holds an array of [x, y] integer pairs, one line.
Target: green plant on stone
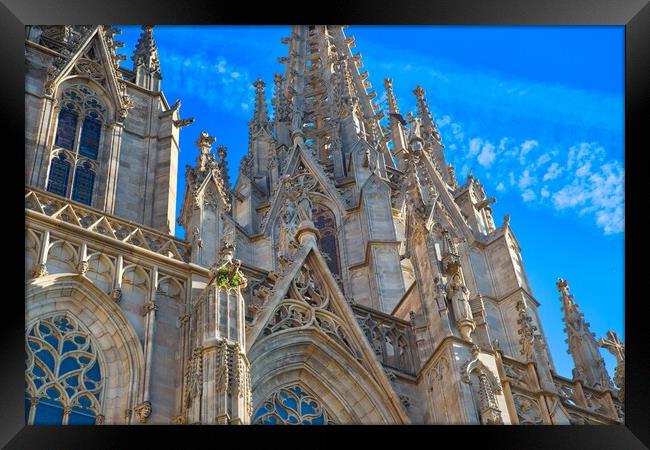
{"points": [[224, 280]]}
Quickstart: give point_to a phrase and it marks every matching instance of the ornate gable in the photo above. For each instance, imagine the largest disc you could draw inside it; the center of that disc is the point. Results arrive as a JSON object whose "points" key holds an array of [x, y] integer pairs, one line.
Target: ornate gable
{"points": [[301, 174], [307, 297], [95, 59]]}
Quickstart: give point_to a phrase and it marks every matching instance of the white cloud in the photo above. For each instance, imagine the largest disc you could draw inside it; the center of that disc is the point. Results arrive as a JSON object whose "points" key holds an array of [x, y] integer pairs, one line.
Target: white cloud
{"points": [[526, 147], [500, 187], [446, 120], [543, 159], [487, 156], [602, 194], [474, 146], [545, 192], [553, 171], [526, 180], [212, 79], [528, 195]]}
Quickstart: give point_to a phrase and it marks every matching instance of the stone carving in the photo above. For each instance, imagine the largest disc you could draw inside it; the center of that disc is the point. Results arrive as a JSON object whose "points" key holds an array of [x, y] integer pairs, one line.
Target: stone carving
{"points": [[40, 271], [459, 297], [297, 189], [616, 348], [308, 304], [528, 410], [193, 376], [180, 123], [143, 411], [82, 268], [116, 295], [488, 406]]}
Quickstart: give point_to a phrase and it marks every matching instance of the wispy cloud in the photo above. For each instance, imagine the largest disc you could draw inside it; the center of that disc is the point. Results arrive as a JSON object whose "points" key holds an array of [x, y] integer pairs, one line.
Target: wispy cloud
{"points": [[212, 79], [580, 178]]}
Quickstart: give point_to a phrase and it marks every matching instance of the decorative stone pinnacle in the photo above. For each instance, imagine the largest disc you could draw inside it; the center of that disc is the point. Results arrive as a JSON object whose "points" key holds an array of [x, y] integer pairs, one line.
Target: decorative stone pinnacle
{"points": [[563, 287], [392, 101], [222, 151], [259, 85], [260, 115], [204, 142], [146, 52]]}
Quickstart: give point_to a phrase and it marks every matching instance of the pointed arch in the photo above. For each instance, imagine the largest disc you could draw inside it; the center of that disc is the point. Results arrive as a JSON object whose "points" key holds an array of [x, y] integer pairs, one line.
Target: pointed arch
{"points": [[61, 257], [101, 271], [308, 333], [114, 338]]}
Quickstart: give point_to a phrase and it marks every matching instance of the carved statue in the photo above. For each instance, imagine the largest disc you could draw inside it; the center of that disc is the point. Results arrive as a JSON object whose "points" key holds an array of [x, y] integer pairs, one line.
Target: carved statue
{"points": [[459, 295]]}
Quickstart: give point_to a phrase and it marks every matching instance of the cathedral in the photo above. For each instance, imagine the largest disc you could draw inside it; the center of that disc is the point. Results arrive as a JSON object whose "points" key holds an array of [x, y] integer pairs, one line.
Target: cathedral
{"points": [[346, 277]]}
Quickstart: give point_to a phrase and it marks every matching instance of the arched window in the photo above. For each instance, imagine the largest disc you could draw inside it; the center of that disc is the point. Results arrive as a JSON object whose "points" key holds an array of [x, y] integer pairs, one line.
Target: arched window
{"points": [[67, 127], [90, 133], [62, 377], [291, 406], [83, 183], [59, 172], [324, 219], [81, 140]]}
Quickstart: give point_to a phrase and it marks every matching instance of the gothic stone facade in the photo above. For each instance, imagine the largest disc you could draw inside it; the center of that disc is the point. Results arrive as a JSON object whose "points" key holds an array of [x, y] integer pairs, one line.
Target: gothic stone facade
{"points": [[346, 278]]}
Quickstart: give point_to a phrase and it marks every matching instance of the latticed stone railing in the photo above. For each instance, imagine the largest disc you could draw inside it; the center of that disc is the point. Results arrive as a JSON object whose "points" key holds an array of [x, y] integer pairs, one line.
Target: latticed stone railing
{"points": [[106, 225], [391, 338]]}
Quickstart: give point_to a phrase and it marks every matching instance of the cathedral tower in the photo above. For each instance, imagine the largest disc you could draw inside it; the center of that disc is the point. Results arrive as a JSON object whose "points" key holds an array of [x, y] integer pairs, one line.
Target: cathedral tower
{"points": [[347, 277]]}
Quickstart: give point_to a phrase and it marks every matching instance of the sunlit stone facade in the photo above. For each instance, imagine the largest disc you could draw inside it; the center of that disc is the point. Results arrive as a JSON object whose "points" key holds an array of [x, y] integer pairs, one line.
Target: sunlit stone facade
{"points": [[346, 277]]}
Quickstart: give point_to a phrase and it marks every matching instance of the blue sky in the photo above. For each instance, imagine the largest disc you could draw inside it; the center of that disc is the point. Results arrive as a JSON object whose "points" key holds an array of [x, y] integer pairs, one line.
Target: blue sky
{"points": [[535, 113]]}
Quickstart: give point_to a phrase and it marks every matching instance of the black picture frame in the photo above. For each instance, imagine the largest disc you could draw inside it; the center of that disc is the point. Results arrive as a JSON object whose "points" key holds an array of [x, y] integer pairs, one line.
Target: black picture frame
{"points": [[14, 14]]}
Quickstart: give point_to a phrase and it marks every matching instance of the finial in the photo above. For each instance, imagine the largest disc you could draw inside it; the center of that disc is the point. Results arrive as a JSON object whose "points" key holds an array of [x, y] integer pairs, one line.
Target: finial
{"points": [[563, 287], [429, 129], [260, 115], [392, 101], [204, 142], [222, 151]]}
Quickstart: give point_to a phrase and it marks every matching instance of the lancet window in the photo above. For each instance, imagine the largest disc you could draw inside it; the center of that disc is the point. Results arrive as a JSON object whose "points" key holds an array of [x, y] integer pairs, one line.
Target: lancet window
{"points": [[76, 144]]}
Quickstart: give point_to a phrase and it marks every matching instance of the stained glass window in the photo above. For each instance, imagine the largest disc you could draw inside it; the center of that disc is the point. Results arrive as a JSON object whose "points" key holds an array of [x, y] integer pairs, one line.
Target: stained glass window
{"points": [[57, 182], [67, 127], [325, 221], [291, 406], [83, 184], [63, 377], [90, 133]]}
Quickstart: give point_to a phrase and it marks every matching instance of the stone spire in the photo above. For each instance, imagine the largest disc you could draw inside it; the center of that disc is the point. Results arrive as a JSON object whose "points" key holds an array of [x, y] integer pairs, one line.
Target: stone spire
{"points": [[429, 133], [396, 124], [146, 64], [324, 99], [207, 164], [583, 348], [260, 115]]}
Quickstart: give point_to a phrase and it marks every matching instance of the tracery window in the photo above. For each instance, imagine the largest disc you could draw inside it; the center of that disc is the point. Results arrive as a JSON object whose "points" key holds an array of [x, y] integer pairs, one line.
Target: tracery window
{"points": [[63, 383], [291, 406], [78, 136], [324, 219], [59, 173], [83, 183]]}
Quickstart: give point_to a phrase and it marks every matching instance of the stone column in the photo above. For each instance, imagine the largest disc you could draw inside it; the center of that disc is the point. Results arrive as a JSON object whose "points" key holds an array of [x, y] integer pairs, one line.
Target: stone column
{"points": [[143, 409], [112, 167], [41, 267]]}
